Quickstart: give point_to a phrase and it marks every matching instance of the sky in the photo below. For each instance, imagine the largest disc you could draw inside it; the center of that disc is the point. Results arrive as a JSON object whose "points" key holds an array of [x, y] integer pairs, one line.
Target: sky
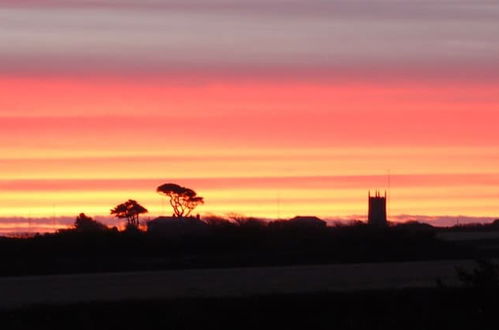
{"points": [[270, 108]]}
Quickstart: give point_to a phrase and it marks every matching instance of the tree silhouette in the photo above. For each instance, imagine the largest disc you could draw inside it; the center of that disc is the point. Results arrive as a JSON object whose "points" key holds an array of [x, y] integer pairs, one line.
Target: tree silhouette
{"points": [[129, 210], [84, 223], [183, 200]]}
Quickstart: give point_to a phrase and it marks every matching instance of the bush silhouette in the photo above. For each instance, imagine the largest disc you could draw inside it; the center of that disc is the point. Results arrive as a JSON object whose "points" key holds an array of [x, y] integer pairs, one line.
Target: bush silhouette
{"points": [[84, 223], [485, 275]]}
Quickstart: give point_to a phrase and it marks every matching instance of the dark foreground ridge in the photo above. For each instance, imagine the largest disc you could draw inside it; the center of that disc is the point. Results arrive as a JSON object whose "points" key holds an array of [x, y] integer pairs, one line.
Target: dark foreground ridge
{"points": [[400, 309], [213, 243], [184, 243]]}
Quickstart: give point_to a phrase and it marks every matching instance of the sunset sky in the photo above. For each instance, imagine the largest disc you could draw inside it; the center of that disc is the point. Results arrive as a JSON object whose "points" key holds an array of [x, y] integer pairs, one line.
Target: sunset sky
{"points": [[270, 108]]}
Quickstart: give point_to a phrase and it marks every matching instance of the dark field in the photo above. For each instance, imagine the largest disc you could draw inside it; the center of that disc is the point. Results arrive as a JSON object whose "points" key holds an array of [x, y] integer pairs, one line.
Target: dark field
{"points": [[236, 282], [398, 309]]}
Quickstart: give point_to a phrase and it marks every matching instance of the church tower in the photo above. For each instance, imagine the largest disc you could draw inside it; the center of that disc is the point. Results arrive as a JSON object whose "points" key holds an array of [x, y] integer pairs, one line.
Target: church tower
{"points": [[377, 210]]}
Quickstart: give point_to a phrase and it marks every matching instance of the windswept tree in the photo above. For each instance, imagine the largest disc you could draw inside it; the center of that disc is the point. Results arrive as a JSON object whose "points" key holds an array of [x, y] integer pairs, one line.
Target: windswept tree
{"points": [[130, 210], [183, 200]]}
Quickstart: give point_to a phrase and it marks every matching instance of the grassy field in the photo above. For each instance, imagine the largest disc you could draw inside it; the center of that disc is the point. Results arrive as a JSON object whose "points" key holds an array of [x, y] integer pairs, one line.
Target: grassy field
{"points": [[388, 309], [228, 282]]}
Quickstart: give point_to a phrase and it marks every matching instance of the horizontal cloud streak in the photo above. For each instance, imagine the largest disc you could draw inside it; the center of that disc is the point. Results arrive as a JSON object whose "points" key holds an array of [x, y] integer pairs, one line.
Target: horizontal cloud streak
{"points": [[324, 182], [337, 128], [340, 8], [348, 40]]}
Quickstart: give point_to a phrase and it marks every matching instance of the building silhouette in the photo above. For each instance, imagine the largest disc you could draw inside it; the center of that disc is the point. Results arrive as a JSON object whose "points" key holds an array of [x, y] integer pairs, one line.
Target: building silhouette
{"points": [[377, 210], [307, 221], [177, 226]]}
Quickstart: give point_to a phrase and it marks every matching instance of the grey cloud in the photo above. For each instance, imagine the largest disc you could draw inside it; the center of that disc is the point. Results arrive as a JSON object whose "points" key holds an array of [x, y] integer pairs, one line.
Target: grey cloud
{"points": [[241, 37], [455, 9]]}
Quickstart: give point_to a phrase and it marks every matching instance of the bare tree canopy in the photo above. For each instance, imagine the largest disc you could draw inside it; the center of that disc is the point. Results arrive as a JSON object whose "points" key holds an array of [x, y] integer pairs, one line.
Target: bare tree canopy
{"points": [[183, 200], [129, 210]]}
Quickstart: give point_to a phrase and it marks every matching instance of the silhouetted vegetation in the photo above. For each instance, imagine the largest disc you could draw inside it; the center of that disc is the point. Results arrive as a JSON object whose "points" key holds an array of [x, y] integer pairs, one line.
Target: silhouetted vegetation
{"points": [[129, 210], [493, 226], [83, 223], [485, 275], [183, 200], [174, 242]]}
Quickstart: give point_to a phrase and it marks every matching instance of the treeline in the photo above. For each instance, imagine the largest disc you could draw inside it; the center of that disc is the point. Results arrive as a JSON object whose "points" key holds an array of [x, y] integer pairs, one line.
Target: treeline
{"points": [[493, 226], [235, 242]]}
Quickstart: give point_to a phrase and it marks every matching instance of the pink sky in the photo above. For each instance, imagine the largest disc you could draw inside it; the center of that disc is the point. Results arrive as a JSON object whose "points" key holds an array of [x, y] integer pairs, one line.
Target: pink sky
{"points": [[266, 108]]}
